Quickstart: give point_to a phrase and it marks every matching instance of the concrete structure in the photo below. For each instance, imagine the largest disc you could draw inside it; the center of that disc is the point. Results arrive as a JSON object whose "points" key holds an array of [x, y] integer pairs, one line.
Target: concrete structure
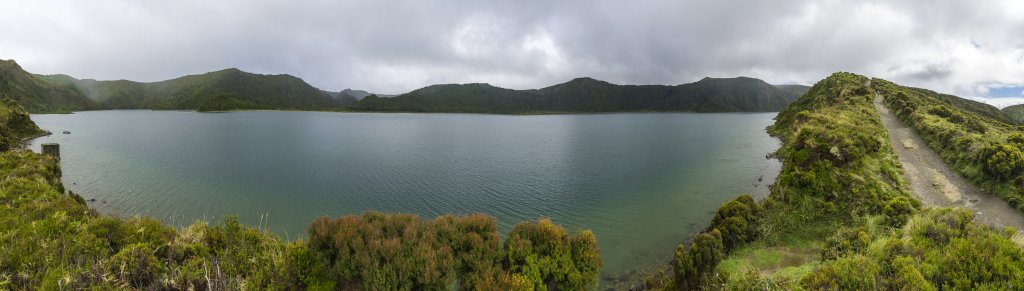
{"points": [[52, 149]]}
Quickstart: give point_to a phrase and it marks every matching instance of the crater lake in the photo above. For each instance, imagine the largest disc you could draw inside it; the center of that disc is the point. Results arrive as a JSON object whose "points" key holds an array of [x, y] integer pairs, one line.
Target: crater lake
{"points": [[642, 182]]}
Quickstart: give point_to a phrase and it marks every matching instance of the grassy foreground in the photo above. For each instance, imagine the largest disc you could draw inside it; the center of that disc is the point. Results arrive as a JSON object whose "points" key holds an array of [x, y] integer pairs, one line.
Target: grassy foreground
{"points": [[840, 216]]}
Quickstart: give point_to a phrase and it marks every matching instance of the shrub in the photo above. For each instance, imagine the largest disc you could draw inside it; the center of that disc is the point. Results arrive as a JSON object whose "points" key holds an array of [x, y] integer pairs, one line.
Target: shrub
{"points": [[684, 270], [135, 265], [1002, 161], [693, 266], [905, 276], [736, 220], [1016, 139], [897, 210], [846, 273], [846, 241], [549, 258], [383, 252], [941, 111]]}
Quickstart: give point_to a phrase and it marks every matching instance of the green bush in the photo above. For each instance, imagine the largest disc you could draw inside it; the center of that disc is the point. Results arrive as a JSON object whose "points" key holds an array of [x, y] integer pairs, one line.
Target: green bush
{"points": [[546, 255], [1016, 139], [737, 221], [1002, 161], [136, 265], [905, 276], [897, 210], [846, 241], [383, 252], [846, 273], [941, 111], [694, 265]]}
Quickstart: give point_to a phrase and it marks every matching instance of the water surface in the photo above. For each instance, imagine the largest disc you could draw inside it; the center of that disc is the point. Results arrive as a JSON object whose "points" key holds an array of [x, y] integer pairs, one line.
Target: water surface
{"points": [[641, 182]]}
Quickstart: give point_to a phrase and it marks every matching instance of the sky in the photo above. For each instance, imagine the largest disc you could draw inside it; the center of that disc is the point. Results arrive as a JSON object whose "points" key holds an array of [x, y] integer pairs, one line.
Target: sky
{"points": [[973, 49]]}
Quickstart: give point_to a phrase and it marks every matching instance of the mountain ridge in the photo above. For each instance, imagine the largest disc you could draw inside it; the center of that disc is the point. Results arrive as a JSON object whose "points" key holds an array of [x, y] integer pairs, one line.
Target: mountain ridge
{"points": [[1015, 111], [63, 93], [234, 89], [585, 94]]}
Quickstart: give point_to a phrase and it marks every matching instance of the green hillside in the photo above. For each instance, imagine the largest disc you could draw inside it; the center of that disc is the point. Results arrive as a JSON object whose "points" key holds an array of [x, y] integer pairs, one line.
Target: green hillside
{"points": [[62, 93], [798, 90], [589, 95], [984, 148], [840, 215], [15, 125], [37, 94], [1016, 112], [256, 91], [971, 106]]}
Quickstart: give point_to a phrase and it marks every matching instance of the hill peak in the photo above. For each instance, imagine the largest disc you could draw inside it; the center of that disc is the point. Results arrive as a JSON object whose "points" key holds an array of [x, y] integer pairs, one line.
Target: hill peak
{"points": [[584, 80], [9, 65], [740, 78]]}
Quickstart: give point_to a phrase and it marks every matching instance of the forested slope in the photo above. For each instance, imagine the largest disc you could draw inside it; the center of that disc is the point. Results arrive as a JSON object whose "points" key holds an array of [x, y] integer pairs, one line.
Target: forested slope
{"points": [[37, 94], [589, 95], [63, 94]]}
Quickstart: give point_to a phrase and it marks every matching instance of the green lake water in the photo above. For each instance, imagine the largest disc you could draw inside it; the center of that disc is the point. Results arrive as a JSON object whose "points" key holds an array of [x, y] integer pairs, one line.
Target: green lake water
{"points": [[642, 182]]}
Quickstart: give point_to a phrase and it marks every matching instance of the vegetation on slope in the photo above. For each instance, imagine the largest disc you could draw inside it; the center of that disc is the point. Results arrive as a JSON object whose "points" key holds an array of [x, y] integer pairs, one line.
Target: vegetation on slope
{"points": [[839, 216], [224, 102], [39, 95], [50, 240], [589, 95], [255, 91], [1016, 112], [969, 106], [796, 90], [15, 125], [62, 93], [984, 149]]}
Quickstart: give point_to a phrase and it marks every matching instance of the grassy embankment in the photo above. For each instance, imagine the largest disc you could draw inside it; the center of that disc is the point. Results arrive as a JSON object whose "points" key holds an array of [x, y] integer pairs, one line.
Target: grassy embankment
{"points": [[985, 149], [840, 216], [50, 240]]}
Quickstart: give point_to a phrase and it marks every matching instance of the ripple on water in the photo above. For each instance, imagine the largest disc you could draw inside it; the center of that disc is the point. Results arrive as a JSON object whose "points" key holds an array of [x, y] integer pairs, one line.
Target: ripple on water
{"points": [[641, 182]]}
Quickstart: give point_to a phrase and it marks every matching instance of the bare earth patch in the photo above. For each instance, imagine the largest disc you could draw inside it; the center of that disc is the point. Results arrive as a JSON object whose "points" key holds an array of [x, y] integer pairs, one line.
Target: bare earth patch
{"points": [[932, 181]]}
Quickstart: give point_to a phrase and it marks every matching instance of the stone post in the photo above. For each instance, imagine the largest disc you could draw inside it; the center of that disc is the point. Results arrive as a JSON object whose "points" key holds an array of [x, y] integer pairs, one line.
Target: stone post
{"points": [[52, 149]]}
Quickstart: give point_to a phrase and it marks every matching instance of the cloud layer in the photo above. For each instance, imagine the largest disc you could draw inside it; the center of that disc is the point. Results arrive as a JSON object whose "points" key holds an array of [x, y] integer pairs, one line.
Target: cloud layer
{"points": [[961, 47]]}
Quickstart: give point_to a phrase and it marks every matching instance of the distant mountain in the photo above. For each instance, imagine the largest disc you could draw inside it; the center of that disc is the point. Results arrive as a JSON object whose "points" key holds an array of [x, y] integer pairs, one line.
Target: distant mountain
{"points": [[1016, 112], [798, 90], [247, 90], [343, 98], [969, 105], [589, 95], [356, 94], [39, 95], [63, 93]]}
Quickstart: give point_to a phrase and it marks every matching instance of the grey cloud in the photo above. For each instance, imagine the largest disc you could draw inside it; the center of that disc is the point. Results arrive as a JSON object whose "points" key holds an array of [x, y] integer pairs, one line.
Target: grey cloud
{"points": [[400, 45]]}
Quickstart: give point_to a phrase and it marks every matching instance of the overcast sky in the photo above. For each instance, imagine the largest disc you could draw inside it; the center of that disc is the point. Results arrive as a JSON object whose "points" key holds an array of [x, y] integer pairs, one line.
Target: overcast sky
{"points": [[969, 48]]}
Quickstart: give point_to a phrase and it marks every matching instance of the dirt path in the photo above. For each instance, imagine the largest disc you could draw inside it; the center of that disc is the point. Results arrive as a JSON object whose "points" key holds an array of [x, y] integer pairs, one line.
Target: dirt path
{"points": [[937, 185]]}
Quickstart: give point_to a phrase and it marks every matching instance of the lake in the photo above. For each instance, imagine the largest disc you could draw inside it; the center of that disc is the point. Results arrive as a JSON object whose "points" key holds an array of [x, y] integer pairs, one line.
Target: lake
{"points": [[642, 182]]}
